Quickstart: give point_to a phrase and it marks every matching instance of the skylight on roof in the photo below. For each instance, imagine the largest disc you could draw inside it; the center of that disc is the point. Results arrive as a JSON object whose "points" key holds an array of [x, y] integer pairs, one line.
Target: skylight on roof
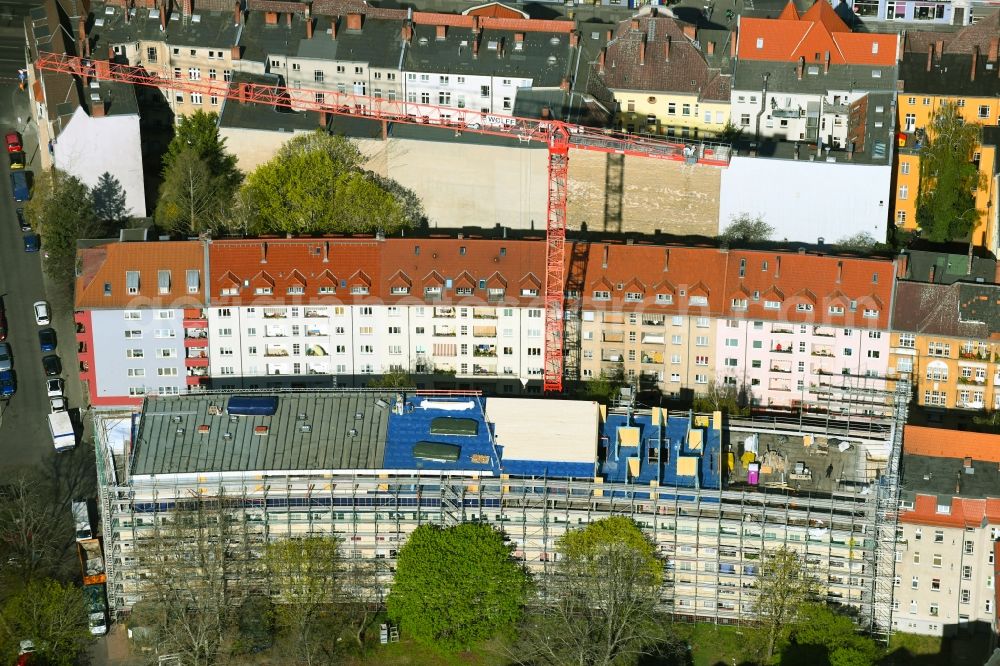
{"points": [[196, 18], [154, 13], [760, 42], [110, 11], [492, 45], [99, 22]]}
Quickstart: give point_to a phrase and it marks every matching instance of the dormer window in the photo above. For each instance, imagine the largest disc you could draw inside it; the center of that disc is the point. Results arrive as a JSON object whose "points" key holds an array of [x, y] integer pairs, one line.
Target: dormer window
{"points": [[529, 292], [803, 307], [263, 291], [601, 295], [399, 291], [132, 282], [739, 304], [664, 299], [699, 300], [633, 296], [359, 290]]}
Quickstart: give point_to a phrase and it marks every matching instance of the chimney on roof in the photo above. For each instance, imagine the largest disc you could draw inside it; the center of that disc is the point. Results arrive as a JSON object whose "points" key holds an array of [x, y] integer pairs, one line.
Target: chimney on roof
{"points": [[574, 38], [930, 56], [653, 12], [958, 484], [186, 8], [237, 52], [163, 17], [84, 40], [237, 14], [406, 32], [938, 49], [996, 273], [975, 63], [732, 44], [826, 63], [691, 32], [968, 267], [634, 25], [930, 277], [323, 119], [263, 252], [642, 50], [608, 35], [840, 271], [288, 19], [710, 48], [666, 49], [475, 43], [354, 21], [777, 267], [994, 49], [518, 37], [440, 32], [309, 28], [475, 25], [666, 260], [801, 67], [600, 61], [546, 113], [326, 252], [97, 107], [271, 18], [604, 260], [333, 28]]}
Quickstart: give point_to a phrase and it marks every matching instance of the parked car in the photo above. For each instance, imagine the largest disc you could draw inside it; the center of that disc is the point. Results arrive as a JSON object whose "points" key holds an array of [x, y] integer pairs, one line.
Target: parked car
{"points": [[8, 384], [6, 360], [16, 160], [47, 339], [54, 387], [41, 313], [14, 142], [20, 184], [52, 365], [31, 242], [22, 221], [57, 404], [3, 323]]}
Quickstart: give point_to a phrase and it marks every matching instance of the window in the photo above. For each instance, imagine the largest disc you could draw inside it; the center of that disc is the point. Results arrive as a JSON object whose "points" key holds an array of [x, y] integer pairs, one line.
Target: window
{"points": [[166, 372], [966, 596], [133, 353], [933, 610], [772, 305], [134, 333], [196, 98], [869, 313], [602, 295], [664, 299], [915, 582], [907, 340], [803, 307], [631, 296], [904, 192], [166, 352], [701, 379], [969, 548], [484, 91], [989, 606], [938, 536], [701, 341], [935, 584], [225, 332], [984, 111], [227, 75], [938, 349], [904, 168], [699, 300], [936, 560]]}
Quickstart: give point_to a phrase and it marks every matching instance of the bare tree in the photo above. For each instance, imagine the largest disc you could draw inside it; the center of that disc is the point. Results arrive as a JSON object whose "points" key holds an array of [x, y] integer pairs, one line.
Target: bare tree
{"points": [[35, 532], [599, 606], [783, 588], [720, 395]]}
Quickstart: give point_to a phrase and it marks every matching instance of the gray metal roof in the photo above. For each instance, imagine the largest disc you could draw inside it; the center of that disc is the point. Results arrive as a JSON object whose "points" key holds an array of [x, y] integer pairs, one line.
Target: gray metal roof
{"points": [[783, 78], [213, 29], [947, 477], [169, 441]]}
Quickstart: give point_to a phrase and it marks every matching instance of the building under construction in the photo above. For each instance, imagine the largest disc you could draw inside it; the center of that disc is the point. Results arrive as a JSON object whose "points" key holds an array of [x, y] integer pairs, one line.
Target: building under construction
{"points": [[370, 466]]}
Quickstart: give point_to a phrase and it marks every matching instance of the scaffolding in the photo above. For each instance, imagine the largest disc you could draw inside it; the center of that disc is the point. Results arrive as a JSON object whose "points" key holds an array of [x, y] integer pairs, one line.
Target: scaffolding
{"points": [[711, 539]]}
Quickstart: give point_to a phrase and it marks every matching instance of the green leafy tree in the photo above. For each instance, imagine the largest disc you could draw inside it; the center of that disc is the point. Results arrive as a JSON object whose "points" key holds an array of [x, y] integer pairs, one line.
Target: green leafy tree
{"points": [[306, 583], [199, 131], [52, 616], [605, 387], [108, 198], [255, 624], [861, 241], [63, 213], [315, 185], [599, 605], [724, 397], [393, 380], [192, 200], [457, 586], [946, 205], [783, 588], [821, 626], [745, 228]]}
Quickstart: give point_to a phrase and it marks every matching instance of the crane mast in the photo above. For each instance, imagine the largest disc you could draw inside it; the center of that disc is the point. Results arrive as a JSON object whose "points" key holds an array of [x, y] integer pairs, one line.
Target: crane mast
{"points": [[558, 136]]}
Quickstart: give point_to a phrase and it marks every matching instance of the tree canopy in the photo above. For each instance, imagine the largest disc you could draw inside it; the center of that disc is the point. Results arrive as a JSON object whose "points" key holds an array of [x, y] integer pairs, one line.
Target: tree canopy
{"points": [[456, 586], [599, 604], [746, 228], [52, 616], [62, 211], [783, 588], [821, 628], [315, 185], [108, 198], [199, 132], [192, 199], [946, 205]]}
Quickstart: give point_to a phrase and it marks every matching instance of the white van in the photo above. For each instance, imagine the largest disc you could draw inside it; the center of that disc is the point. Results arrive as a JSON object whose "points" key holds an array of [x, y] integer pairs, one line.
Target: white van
{"points": [[81, 519]]}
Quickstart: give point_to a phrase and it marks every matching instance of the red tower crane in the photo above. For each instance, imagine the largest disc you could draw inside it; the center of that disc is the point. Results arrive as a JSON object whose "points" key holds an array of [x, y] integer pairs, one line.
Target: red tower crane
{"points": [[558, 136]]}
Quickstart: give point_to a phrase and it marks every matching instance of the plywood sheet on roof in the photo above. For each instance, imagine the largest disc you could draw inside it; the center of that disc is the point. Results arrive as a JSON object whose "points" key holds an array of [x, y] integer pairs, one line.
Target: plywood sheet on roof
{"points": [[541, 430]]}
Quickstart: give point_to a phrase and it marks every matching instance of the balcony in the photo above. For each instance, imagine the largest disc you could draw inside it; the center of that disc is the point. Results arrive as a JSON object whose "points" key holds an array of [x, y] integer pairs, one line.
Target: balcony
{"points": [[484, 313], [195, 342], [445, 331], [781, 348], [781, 328], [479, 369], [793, 113], [484, 350], [484, 331], [271, 331], [825, 331], [192, 380], [613, 336], [975, 354], [508, 372], [973, 381], [195, 317], [275, 313], [201, 362], [652, 357], [275, 350], [276, 369], [781, 366], [612, 356], [653, 321], [650, 377], [195, 333], [316, 350], [197, 372], [316, 313], [614, 318], [653, 339], [822, 350], [447, 313], [315, 331], [494, 295], [779, 385], [318, 369], [198, 352]]}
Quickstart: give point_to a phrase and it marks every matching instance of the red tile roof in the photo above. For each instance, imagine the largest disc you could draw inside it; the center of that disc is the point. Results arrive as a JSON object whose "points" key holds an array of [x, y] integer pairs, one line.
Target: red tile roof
{"points": [[965, 511], [281, 264], [817, 32], [101, 283], [943, 443]]}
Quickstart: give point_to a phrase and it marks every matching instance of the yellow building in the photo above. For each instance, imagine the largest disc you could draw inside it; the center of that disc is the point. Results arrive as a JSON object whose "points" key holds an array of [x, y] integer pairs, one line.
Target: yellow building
{"points": [[937, 69], [662, 81], [945, 340]]}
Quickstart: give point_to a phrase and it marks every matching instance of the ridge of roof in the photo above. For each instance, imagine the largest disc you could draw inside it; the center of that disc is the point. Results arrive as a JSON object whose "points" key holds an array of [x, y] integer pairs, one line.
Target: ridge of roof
{"points": [[946, 443]]}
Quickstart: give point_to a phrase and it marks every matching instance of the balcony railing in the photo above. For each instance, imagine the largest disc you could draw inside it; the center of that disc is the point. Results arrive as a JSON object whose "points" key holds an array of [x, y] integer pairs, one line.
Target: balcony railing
{"points": [[824, 331], [781, 329], [275, 351], [444, 331], [484, 331], [653, 321], [484, 313], [316, 350], [613, 356], [613, 336], [444, 312], [778, 368], [316, 313], [484, 351], [197, 352], [315, 332], [778, 349], [275, 313], [195, 333], [483, 369]]}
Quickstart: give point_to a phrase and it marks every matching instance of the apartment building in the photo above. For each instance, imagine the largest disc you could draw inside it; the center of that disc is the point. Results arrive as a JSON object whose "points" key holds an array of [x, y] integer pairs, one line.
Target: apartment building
{"points": [[134, 336], [801, 77], [351, 462], [944, 339], [184, 41], [955, 68], [949, 522], [470, 313], [664, 79]]}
